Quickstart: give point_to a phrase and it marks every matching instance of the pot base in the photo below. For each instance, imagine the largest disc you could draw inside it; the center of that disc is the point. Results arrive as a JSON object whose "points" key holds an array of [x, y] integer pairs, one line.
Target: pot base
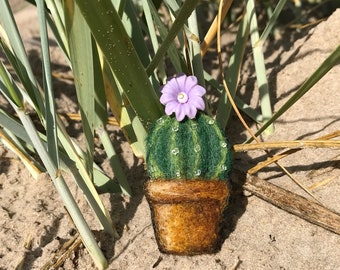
{"points": [[187, 214]]}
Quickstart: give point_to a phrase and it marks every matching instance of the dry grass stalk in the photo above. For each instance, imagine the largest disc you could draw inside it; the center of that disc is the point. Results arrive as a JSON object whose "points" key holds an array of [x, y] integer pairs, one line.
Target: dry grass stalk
{"points": [[323, 182], [288, 152], [76, 117], [296, 181], [209, 37], [64, 252], [287, 144], [34, 170]]}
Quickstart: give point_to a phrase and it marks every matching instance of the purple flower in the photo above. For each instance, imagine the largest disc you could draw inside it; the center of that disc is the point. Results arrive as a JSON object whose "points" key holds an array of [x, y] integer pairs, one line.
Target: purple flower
{"points": [[183, 96]]}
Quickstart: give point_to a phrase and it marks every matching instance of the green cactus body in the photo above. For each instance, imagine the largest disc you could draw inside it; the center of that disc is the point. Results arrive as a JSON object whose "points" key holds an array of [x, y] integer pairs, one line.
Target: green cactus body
{"points": [[191, 149]]}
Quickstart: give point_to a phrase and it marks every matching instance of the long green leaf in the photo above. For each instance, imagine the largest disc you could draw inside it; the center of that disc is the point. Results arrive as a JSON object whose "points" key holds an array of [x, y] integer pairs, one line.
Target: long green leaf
{"points": [[272, 20], [50, 112], [58, 24], [172, 51], [233, 73], [115, 43], [100, 129], [260, 68], [252, 113], [80, 42], [90, 90], [22, 66], [133, 28], [86, 182], [9, 87], [114, 162], [184, 13], [152, 34], [195, 49]]}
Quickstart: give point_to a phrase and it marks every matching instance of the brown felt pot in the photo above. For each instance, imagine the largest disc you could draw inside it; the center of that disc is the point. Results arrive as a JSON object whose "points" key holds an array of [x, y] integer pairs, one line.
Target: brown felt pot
{"points": [[187, 214]]}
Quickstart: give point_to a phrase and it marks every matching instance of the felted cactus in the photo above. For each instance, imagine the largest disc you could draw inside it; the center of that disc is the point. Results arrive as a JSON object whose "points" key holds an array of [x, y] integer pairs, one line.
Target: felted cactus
{"points": [[191, 147]]}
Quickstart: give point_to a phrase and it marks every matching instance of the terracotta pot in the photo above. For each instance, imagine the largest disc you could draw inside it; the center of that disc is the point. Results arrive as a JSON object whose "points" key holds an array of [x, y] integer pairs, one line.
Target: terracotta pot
{"points": [[187, 214]]}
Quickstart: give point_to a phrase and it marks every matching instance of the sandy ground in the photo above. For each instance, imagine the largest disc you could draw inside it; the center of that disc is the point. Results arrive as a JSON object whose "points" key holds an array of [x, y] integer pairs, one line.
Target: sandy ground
{"points": [[256, 234]]}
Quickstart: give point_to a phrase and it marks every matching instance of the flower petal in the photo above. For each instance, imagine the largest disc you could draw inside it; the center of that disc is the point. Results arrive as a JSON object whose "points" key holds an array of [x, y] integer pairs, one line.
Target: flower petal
{"points": [[170, 107], [180, 81], [166, 98], [192, 111], [180, 112], [172, 86], [190, 82], [198, 102], [169, 88], [197, 91]]}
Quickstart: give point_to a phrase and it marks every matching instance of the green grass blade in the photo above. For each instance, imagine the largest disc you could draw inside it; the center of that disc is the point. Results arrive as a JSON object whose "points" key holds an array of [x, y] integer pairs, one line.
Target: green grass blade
{"points": [[99, 126], [152, 34], [37, 143], [8, 122], [80, 42], [50, 112], [90, 192], [100, 102], [259, 65], [272, 21], [249, 111], [150, 24], [173, 5], [9, 88], [184, 13], [133, 28], [332, 60], [119, 6], [163, 33], [23, 68], [233, 72], [195, 48], [114, 162], [104, 184], [252, 113], [57, 25]]}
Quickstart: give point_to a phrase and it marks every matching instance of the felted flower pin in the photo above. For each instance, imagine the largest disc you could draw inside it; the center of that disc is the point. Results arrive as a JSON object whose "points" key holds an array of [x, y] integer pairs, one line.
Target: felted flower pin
{"points": [[183, 96]]}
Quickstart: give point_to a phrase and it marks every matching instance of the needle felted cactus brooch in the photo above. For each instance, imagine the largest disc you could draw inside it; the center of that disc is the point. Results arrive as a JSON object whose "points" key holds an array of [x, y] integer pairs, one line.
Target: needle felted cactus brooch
{"points": [[188, 160]]}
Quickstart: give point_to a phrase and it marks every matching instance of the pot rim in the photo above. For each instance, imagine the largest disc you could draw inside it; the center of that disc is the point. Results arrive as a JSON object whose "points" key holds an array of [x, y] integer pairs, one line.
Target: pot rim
{"points": [[171, 191]]}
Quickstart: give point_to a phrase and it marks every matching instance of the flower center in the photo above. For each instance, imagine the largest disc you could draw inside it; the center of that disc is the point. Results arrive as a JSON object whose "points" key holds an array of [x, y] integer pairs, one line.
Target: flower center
{"points": [[182, 97]]}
